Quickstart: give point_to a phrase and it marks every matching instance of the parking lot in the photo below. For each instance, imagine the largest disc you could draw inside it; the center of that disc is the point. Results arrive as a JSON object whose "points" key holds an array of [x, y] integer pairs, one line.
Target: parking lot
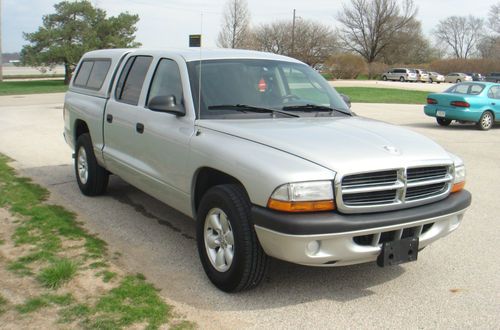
{"points": [[454, 284]]}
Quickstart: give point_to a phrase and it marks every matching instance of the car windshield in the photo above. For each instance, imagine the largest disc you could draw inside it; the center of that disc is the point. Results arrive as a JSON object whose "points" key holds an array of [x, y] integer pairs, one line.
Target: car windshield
{"points": [[470, 89], [234, 88]]}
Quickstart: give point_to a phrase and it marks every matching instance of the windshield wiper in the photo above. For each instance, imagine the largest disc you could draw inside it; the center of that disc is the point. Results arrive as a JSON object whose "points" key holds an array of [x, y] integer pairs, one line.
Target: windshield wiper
{"points": [[251, 108], [314, 108]]}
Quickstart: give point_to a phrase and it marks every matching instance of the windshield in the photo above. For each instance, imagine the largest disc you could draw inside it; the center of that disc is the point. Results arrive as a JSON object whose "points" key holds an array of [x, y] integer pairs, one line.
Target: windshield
{"points": [[279, 85]]}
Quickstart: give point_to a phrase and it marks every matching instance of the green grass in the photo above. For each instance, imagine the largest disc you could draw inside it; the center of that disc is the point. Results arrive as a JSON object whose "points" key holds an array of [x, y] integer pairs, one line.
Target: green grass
{"points": [[383, 95], [3, 304], [43, 228], [60, 272], [37, 303], [32, 87]]}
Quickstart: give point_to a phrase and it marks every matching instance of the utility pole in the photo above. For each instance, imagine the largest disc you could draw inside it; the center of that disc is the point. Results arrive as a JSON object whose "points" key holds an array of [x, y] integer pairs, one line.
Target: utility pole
{"points": [[293, 33], [1, 60]]}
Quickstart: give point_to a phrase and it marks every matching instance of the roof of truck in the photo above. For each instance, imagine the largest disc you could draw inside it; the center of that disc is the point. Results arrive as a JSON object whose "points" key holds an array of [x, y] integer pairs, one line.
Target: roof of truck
{"points": [[192, 54]]}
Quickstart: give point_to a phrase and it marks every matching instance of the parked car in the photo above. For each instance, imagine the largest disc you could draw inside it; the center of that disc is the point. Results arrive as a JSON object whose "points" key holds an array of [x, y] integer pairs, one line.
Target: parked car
{"points": [[422, 75], [457, 77], [401, 74], [493, 77], [466, 102], [435, 77], [264, 155], [475, 76]]}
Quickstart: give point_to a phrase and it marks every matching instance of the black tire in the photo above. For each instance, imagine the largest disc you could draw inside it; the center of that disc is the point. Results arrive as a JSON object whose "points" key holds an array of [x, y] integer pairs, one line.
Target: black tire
{"points": [[486, 121], [402, 79], [443, 121], [249, 260], [458, 81], [384, 78], [97, 177]]}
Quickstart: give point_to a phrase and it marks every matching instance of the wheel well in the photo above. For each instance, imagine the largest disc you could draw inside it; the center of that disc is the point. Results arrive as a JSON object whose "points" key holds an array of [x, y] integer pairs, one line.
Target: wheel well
{"points": [[80, 128], [492, 113], [207, 178]]}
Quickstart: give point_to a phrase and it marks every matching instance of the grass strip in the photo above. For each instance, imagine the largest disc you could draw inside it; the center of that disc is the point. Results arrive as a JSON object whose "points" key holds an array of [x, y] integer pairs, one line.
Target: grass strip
{"points": [[383, 95], [32, 87]]}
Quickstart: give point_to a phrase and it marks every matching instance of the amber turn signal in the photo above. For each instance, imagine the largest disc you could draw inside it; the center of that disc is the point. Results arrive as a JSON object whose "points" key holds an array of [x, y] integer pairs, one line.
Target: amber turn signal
{"points": [[314, 206], [458, 186]]}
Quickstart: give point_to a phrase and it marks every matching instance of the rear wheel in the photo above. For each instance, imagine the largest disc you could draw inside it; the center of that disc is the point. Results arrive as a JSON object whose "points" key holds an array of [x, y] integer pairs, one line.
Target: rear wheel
{"points": [[458, 81], [92, 178], [486, 121], [443, 121], [384, 78], [227, 244], [402, 79]]}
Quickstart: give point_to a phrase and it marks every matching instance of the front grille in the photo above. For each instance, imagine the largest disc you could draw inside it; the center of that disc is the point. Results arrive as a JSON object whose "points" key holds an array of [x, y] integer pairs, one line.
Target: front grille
{"points": [[392, 189], [392, 235]]}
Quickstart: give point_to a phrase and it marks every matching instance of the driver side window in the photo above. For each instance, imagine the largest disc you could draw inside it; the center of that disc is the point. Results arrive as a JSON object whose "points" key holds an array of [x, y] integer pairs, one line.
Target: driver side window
{"points": [[166, 81], [301, 86]]}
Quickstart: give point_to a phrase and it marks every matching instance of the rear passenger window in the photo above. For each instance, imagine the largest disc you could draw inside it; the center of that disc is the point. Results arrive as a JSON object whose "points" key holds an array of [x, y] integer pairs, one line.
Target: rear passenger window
{"points": [[132, 78], [92, 73]]}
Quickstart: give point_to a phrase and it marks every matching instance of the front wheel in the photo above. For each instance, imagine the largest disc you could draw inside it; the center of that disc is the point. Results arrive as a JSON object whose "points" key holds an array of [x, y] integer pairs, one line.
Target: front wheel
{"points": [[486, 121], [384, 78], [443, 121], [229, 250], [92, 178]]}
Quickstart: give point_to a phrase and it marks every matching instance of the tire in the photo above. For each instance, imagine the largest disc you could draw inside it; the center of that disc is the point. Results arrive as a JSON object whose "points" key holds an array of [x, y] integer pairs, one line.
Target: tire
{"points": [[384, 78], [92, 179], [443, 121], [402, 79], [458, 81], [486, 121], [242, 262], [431, 81]]}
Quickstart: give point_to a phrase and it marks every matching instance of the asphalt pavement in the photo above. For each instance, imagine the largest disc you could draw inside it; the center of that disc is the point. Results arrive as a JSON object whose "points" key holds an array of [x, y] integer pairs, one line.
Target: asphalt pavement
{"points": [[454, 284]]}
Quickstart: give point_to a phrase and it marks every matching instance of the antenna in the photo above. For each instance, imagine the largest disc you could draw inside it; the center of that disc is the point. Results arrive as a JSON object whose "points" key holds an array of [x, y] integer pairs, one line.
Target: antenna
{"points": [[199, 73]]}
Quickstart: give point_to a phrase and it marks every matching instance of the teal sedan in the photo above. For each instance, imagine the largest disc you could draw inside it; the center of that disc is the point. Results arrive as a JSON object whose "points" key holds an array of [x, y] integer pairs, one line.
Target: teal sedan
{"points": [[477, 102]]}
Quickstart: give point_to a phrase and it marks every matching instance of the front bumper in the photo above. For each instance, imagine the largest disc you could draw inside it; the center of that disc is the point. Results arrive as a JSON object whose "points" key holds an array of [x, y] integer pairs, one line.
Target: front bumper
{"points": [[333, 239]]}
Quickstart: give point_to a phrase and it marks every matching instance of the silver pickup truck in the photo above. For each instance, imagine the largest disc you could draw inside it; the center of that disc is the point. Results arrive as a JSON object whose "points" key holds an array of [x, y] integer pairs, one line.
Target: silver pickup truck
{"points": [[264, 154]]}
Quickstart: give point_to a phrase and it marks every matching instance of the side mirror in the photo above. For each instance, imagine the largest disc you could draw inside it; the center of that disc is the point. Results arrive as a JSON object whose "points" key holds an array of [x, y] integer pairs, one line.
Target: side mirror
{"points": [[346, 99], [166, 103]]}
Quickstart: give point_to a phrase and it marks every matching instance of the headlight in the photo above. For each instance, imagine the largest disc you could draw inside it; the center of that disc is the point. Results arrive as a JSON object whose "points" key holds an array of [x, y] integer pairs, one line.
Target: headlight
{"points": [[458, 178], [311, 196]]}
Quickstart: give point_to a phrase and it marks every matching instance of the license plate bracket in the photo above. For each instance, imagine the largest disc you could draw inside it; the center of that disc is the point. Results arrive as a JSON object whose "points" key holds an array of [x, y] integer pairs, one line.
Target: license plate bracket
{"points": [[398, 252]]}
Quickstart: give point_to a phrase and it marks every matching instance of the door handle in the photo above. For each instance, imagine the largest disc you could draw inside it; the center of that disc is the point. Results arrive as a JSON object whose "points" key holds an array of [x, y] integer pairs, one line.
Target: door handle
{"points": [[139, 127], [109, 118]]}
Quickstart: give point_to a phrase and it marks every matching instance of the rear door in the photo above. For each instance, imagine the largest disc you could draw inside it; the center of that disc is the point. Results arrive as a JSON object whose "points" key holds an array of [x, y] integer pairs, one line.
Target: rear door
{"points": [[122, 152], [494, 95]]}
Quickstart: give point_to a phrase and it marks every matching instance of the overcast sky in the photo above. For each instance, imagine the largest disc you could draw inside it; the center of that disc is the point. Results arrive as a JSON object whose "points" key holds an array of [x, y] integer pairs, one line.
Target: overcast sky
{"points": [[168, 23]]}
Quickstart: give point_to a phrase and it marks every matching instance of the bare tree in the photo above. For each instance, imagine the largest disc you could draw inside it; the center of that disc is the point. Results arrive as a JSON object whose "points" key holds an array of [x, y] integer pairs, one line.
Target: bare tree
{"points": [[313, 42], [489, 46], [370, 26], [494, 18], [235, 25], [460, 34]]}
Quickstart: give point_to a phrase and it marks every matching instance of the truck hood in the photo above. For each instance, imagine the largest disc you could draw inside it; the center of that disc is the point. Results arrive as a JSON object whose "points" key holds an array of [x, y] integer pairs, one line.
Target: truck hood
{"points": [[342, 144]]}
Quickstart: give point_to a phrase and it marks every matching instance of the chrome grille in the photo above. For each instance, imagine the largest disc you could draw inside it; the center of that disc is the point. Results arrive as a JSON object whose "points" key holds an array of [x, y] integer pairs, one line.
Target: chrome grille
{"points": [[393, 189]]}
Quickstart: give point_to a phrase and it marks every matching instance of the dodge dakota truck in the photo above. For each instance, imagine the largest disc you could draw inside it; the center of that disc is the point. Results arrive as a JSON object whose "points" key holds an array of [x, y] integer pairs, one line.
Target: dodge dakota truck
{"points": [[264, 155]]}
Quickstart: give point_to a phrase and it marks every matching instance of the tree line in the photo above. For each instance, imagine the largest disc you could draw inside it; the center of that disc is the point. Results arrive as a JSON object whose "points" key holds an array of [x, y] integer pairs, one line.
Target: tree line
{"points": [[378, 31]]}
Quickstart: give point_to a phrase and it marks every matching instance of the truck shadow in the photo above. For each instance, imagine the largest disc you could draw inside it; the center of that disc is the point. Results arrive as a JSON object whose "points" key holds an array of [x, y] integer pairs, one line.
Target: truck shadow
{"points": [[159, 242]]}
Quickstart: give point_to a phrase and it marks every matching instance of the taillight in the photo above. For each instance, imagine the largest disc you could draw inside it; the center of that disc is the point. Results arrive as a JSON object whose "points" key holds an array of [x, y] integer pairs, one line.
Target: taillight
{"points": [[431, 101], [461, 104]]}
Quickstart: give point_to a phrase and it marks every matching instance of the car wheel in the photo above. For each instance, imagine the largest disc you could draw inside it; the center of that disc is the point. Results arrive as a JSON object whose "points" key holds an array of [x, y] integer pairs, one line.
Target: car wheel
{"points": [[443, 121], [486, 121], [229, 250], [92, 178], [458, 81], [431, 81], [384, 78], [402, 79]]}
